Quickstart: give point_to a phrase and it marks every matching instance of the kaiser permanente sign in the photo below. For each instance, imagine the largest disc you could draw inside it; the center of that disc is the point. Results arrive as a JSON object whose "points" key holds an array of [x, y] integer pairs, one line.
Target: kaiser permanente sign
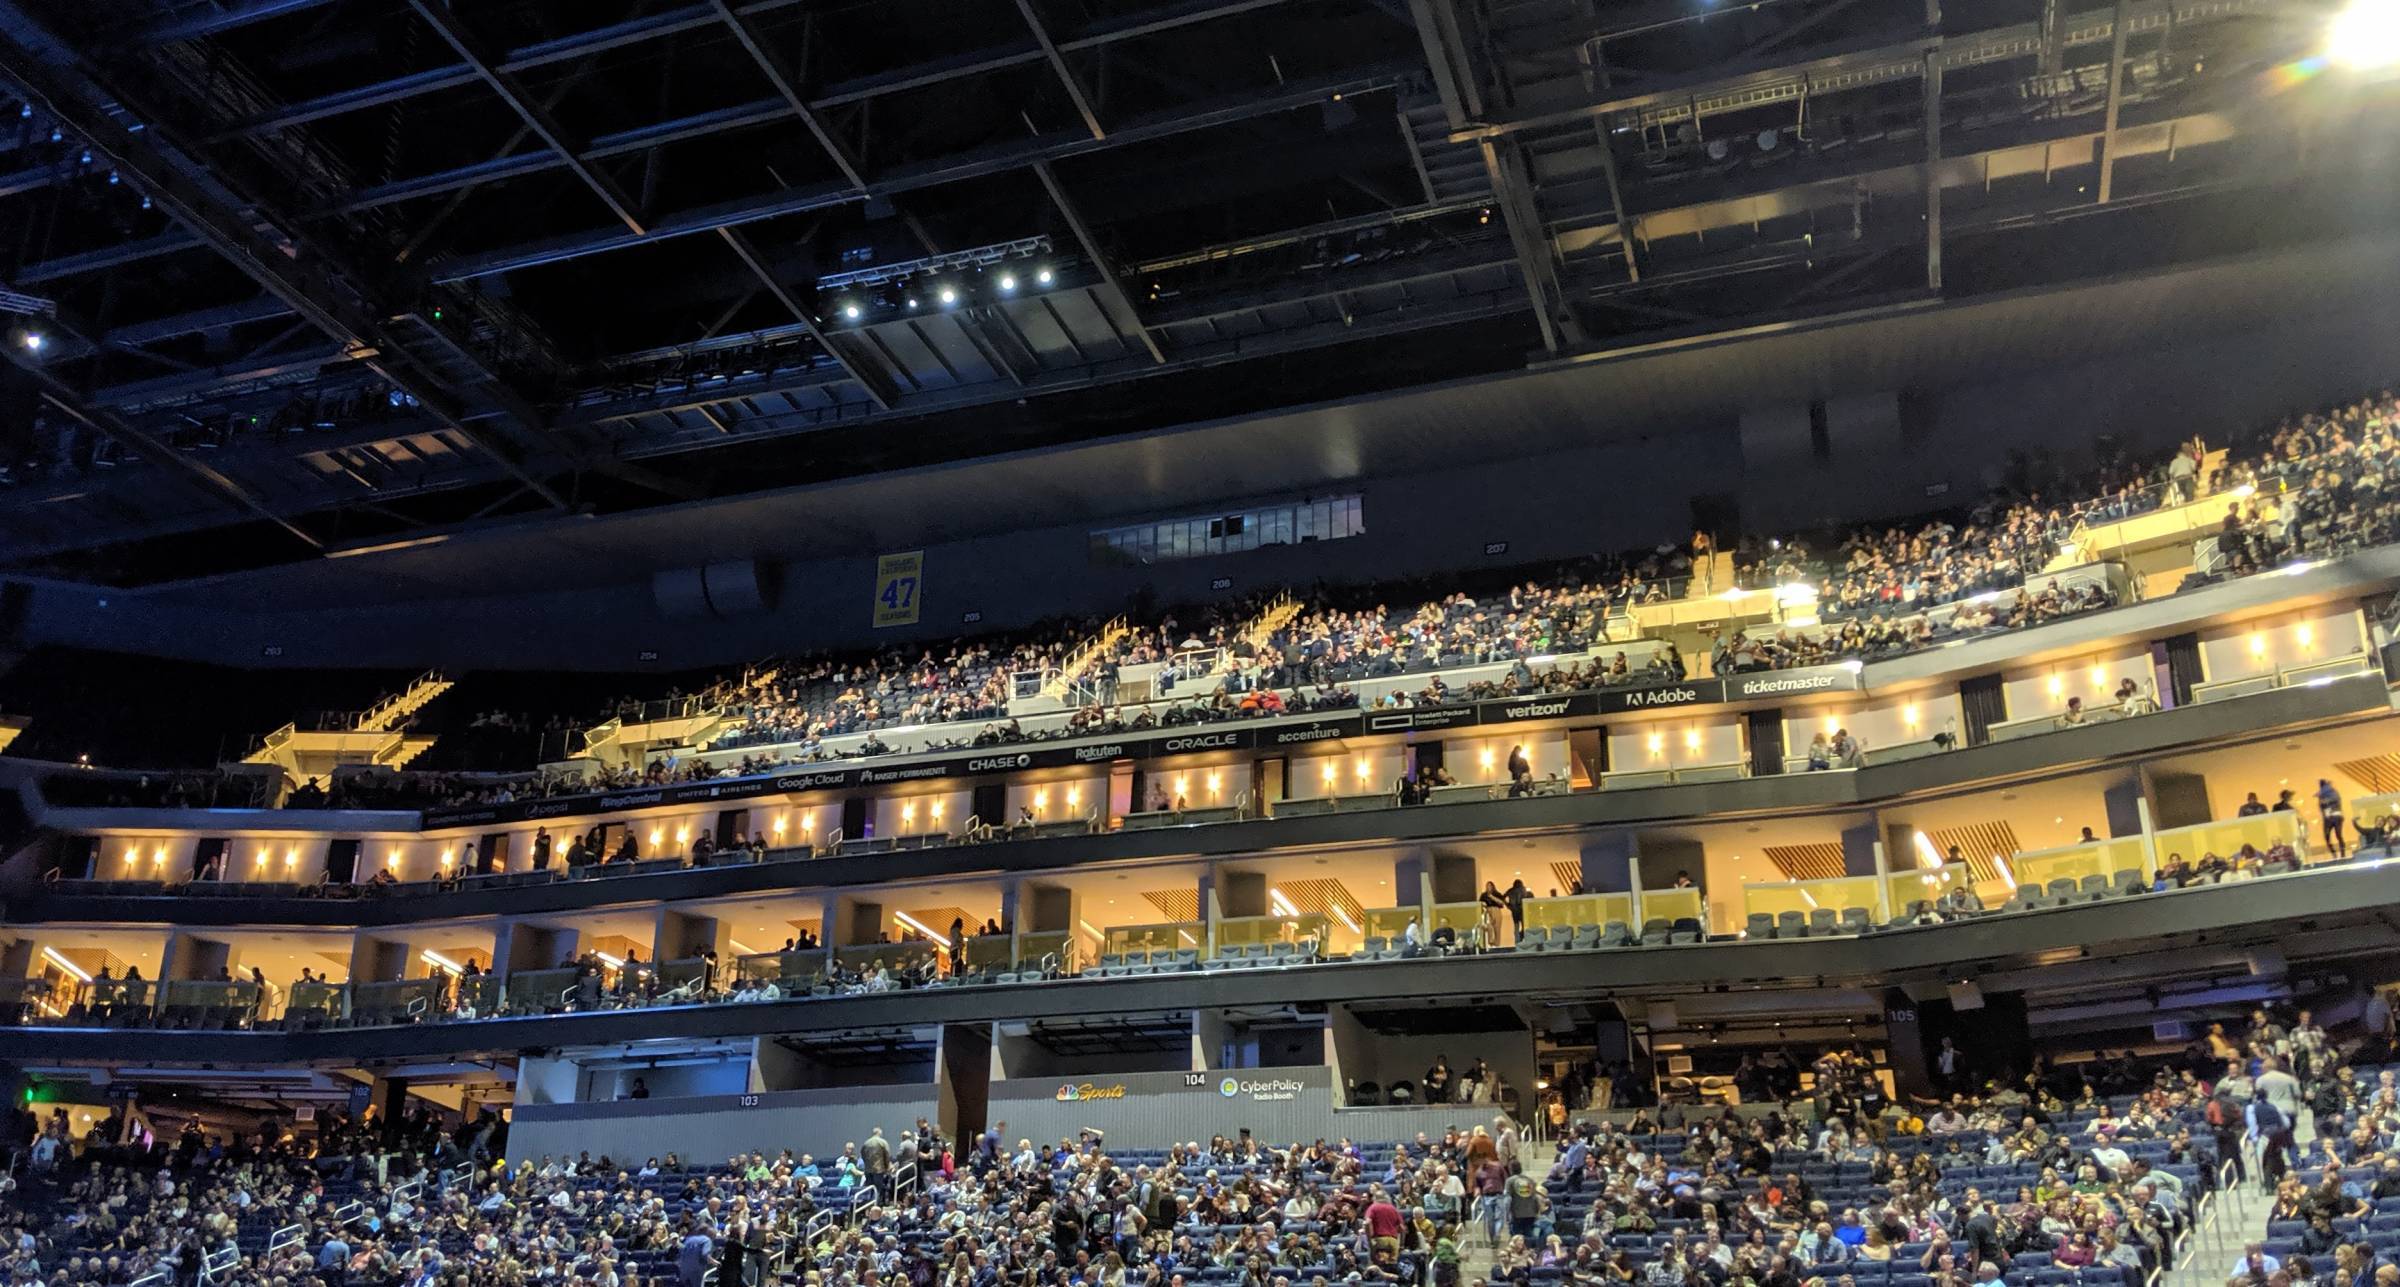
{"points": [[1769, 685]]}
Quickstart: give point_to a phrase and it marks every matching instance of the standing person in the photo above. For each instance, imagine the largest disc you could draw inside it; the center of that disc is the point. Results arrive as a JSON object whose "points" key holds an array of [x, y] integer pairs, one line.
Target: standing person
{"points": [[2274, 1112], [1704, 553], [2329, 809], [1494, 902], [1517, 894], [877, 1154]]}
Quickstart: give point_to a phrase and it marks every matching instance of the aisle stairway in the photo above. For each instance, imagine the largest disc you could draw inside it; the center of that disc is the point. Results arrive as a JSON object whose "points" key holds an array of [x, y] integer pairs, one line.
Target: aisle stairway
{"points": [[2235, 1218], [1476, 1256]]}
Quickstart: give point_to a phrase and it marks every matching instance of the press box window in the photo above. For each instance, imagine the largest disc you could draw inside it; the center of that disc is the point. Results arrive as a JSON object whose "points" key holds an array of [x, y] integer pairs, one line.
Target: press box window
{"points": [[1333, 518]]}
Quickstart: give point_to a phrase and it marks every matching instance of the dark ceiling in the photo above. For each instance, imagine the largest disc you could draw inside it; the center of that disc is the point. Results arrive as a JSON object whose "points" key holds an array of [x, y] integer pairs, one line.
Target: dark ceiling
{"points": [[315, 275]]}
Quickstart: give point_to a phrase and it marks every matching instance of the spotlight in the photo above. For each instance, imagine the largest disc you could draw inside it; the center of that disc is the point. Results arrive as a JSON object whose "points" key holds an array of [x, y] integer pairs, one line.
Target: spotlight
{"points": [[114, 178], [1042, 277], [2365, 36], [1008, 281], [145, 203], [949, 296], [57, 135], [34, 341], [850, 311], [912, 301]]}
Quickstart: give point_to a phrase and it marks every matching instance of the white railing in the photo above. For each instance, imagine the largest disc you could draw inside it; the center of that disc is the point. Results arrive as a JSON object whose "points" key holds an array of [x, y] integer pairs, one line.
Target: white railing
{"points": [[217, 1264], [287, 1236]]}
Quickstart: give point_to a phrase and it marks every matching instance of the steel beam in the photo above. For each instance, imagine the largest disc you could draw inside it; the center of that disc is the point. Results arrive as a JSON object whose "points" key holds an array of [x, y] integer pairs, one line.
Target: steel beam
{"points": [[146, 149], [1006, 157], [1443, 34], [1058, 64], [1596, 81], [787, 85], [884, 394], [56, 394], [2116, 100], [1933, 168], [462, 42], [693, 17], [221, 17], [1113, 288], [1852, 68]]}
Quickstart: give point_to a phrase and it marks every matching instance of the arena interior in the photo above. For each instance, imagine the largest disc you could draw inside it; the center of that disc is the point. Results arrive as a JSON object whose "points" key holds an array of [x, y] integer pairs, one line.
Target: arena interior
{"points": [[1199, 643]]}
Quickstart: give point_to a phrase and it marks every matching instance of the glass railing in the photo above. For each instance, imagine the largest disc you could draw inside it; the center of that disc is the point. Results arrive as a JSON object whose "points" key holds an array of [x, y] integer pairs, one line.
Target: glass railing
{"points": [[2045, 869], [1673, 905], [1164, 936], [1575, 911], [911, 957], [1391, 922], [315, 1003], [1905, 890], [200, 996], [2260, 834], [1252, 937], [1842, 899], [1049, 949]]}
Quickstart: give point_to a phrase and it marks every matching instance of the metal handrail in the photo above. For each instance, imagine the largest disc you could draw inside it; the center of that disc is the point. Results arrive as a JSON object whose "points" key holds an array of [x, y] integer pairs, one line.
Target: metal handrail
{"points": [[287, 1236], [221, 1261]]}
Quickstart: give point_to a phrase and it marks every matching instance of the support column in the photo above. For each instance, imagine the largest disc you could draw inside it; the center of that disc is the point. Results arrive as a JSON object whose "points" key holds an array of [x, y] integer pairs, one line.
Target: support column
{"points": [[2121, 800], [1242, 893], [1859, 844], [682, 935], [2179, 799], [1608, 862], [1661, 858], [862, 921]]}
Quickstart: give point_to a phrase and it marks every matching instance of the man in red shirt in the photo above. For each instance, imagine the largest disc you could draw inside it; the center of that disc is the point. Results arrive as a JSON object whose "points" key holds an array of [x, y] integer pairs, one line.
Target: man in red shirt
{"points": [[1383, 1226]]}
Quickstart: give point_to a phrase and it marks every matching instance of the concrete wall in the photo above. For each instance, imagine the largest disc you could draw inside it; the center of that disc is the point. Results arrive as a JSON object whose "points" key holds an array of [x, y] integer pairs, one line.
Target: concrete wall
{"points": [[711, 1129]]}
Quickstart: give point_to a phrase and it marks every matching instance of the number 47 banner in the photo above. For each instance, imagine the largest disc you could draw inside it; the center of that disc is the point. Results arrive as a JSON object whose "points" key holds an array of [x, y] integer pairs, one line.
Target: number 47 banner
{"points": [[899, 588]]}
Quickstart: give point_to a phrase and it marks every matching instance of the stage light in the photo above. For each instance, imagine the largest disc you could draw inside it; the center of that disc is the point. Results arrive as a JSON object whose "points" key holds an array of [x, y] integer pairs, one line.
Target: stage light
{"points": [[34, 341], [949, 296], [850, 311], [1043, 278], [912, 302], [2366, 35], [1008, 281]]}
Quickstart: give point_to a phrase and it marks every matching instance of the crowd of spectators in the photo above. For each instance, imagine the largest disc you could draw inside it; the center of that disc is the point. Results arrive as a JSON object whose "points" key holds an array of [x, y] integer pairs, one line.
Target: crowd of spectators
{"points": [[2090, 1166]]}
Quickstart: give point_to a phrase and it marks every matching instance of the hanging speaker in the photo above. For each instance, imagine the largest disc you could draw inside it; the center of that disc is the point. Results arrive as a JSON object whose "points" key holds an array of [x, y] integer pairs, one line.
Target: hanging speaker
{"points": [[1662, 1015], [1964, 995]]}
